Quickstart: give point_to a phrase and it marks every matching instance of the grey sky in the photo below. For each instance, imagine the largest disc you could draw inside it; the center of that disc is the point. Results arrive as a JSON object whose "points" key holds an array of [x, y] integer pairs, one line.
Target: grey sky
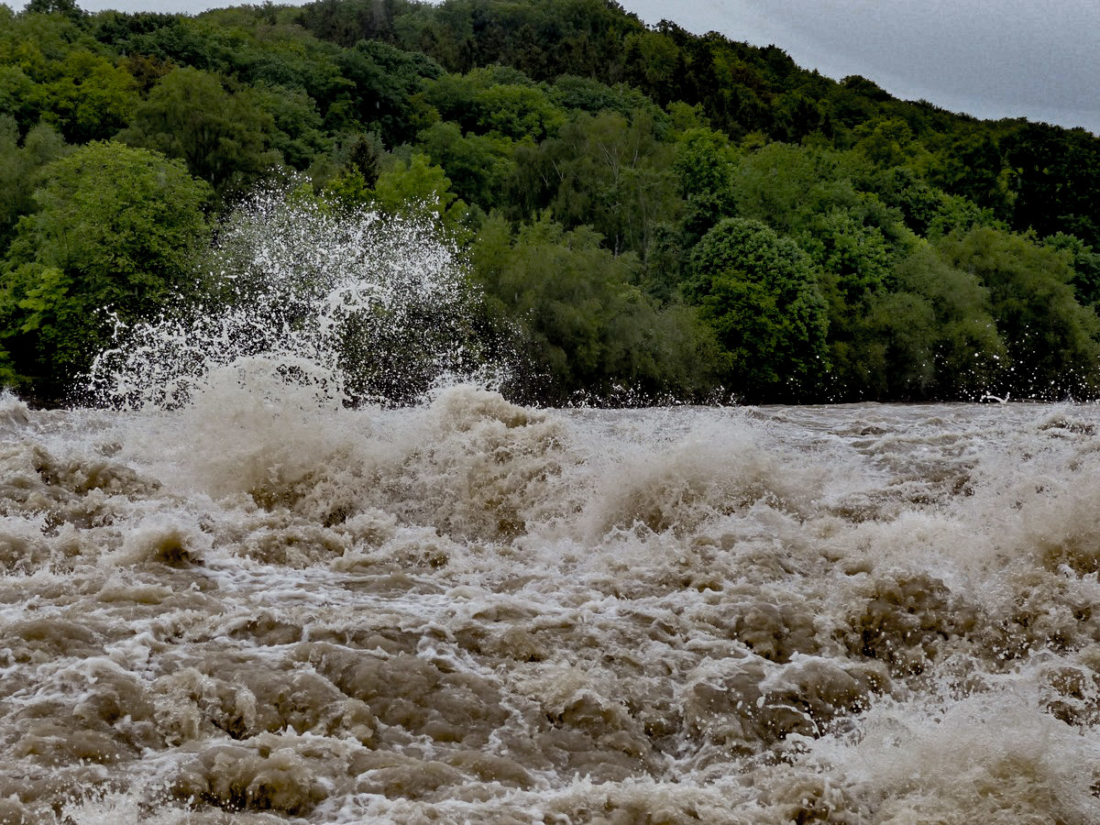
{"points": [[991, 58]]}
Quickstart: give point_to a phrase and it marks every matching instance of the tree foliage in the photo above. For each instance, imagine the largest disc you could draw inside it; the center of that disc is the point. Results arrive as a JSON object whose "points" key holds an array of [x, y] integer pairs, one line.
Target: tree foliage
{"points": [[223, 137], [759, 291], [1050, 337], [112, 238], [582, 318], [636, 198]]}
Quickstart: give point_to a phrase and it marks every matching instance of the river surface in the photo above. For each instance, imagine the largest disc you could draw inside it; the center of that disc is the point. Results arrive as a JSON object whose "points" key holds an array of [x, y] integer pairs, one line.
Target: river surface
{"points": [[252, 610]]}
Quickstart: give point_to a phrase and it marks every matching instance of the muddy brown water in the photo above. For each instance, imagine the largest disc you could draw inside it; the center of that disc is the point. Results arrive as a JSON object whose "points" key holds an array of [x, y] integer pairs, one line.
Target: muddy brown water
{"points": [[254, 611]]}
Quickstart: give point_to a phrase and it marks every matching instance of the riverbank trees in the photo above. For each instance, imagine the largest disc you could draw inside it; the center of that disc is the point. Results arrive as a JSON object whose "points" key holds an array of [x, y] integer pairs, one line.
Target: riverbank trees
{"points": [[653, 214]]}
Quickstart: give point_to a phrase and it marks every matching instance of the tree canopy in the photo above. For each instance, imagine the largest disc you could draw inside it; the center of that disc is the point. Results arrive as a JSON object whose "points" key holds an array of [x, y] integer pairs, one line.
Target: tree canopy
{"points": [[111, 239], [642, 206]]}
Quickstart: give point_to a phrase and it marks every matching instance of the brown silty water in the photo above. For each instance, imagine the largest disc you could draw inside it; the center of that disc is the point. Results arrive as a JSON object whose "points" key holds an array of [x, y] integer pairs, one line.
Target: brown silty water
{"points": [[255, 609]]}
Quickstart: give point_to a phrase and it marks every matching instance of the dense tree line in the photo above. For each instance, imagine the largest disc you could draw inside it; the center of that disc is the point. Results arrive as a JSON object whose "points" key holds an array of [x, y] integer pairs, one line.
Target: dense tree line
{"points": [[656, 214]]}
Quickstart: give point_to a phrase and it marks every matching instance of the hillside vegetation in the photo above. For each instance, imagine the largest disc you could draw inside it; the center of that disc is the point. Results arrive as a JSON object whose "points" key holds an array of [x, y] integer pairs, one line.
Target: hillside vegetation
{"points": [[653, 214]]}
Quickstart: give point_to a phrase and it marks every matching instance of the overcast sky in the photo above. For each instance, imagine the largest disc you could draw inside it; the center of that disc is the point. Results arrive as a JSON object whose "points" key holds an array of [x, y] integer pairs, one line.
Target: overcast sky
{"points": [[992, 58]]}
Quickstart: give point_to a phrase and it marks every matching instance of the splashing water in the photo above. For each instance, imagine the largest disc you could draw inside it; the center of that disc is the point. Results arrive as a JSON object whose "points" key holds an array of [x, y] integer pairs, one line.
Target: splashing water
{"points": [[241, 612], [350, 306]]}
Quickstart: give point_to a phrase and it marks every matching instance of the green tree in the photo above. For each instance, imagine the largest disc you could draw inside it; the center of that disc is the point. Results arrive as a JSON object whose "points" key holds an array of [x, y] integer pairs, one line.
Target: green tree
{"points": [[1055, 180], [383, 84], [931, 335], [356, 167], [856, 265], [613, 174], [855, 254], [586, 328], [653, 61], [570, 92], [972, 166], [479, 166], [223, 137], [417, 184], [17, 95], [784, 186], [956, 350], [759, 292], [68, 8], [1086, 267], [297, 133], [959, 215], [348, 21], [665, 264], [114, 235], [19, 169], [518, 112], [888, 142], [706, 163], [496, 100], [363, 156], [903, 189], [93, 99], [1051, 339]]}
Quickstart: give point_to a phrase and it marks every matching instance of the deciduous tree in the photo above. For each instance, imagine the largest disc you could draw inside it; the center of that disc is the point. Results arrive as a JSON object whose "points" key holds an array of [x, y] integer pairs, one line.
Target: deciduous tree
{"points": [[759, 292], [113, 236], [223, 137]]}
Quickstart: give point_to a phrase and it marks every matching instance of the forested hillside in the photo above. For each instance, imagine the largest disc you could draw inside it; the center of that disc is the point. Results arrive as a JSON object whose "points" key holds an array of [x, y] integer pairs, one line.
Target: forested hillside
{"points": [[654, 214]]}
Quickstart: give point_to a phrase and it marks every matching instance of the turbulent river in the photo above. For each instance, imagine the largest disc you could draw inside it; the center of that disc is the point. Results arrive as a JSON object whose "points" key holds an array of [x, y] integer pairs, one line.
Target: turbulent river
{"points": [[255, 610]]}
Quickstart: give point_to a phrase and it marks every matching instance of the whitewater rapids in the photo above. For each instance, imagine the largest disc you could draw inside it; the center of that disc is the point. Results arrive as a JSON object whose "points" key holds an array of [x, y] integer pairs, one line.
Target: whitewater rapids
{"points": [[257, 610]]}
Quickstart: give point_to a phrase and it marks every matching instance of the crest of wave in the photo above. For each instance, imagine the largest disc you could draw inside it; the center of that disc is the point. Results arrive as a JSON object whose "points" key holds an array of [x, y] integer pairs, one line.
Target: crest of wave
{"points": [[342, 307]]}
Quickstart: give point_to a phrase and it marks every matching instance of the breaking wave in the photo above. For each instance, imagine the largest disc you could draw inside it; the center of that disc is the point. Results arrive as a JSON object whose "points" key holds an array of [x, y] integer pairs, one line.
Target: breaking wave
{"points": [[467, 609], [354, 306]]}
